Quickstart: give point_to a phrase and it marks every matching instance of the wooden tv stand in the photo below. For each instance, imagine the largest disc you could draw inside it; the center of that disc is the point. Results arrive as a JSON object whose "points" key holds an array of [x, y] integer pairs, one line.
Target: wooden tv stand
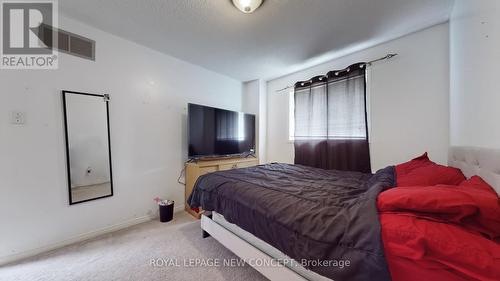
{"points": [[201, 167]]}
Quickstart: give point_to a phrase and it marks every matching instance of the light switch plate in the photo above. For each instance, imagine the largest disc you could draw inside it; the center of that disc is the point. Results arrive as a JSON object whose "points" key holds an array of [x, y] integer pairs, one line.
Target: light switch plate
{"points": [[17, 117]]}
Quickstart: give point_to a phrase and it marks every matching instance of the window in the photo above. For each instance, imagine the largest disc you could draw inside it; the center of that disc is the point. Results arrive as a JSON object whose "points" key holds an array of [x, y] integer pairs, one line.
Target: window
{"points": [[336, 111], [330, 121]]}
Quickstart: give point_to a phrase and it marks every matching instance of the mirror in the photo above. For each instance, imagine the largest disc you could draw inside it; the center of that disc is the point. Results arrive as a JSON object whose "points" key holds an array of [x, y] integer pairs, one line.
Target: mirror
{"points": [[88, 151]]}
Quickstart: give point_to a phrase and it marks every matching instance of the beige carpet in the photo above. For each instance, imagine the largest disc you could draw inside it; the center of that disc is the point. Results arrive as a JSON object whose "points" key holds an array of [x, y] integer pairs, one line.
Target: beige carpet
{"points": [[126, 255]]}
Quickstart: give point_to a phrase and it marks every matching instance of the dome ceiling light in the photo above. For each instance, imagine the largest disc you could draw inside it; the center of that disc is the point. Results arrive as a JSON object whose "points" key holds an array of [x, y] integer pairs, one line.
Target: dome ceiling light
{"points": [[247, 6]]}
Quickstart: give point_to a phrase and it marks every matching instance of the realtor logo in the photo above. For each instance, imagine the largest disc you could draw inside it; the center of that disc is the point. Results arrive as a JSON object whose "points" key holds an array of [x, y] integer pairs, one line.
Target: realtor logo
{"points": [[28, 34]]}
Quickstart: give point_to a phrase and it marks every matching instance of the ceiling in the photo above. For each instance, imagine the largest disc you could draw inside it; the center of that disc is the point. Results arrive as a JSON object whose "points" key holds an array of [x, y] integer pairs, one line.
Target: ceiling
{"points": [[281, 37]]}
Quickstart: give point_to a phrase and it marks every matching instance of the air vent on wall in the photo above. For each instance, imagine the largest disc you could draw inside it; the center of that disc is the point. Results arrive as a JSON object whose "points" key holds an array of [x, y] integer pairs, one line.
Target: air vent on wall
{"points": [[68, 42]]}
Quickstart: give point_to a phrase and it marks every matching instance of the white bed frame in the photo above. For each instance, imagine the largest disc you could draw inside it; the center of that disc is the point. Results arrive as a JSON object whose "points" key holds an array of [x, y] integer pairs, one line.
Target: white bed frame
{"points": [[246, 251], [471, 160]]}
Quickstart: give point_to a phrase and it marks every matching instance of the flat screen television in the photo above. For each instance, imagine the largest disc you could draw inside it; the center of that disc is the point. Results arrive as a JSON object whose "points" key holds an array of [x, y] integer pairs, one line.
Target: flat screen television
{"points": [[215, 132]]}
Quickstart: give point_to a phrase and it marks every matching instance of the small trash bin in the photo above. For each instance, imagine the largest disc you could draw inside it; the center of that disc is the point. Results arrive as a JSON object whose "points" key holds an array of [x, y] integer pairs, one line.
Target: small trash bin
{"points": [[166, 212]]}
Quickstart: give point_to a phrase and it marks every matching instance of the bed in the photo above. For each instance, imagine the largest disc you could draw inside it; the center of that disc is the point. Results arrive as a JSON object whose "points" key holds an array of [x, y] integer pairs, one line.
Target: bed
{"points": [[281, 234]]}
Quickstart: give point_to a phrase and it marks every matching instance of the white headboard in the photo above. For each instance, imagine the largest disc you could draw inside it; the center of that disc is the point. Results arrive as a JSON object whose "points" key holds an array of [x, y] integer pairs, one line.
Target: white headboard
{"points": [[483, 162]]}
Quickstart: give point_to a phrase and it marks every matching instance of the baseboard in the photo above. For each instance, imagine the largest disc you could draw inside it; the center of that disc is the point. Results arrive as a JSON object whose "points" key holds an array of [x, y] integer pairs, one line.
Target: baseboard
{"points": [[179, 208], [79, 238]]}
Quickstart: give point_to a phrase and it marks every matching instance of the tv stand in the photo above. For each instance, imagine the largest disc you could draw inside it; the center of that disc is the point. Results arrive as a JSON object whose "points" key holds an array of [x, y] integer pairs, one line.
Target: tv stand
{"points": [[199, 167]]}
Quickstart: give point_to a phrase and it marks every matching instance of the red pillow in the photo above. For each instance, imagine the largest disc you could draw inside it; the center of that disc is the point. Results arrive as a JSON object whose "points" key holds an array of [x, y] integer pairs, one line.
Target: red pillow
{"points": [[473, 205], [430, 175], [421, 161], [477, 182], [421, 171], [442, 202]]}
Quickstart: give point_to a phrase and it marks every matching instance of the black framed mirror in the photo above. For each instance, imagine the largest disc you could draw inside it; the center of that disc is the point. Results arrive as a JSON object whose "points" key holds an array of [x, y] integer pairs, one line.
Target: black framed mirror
{"points": [[88, 146]]}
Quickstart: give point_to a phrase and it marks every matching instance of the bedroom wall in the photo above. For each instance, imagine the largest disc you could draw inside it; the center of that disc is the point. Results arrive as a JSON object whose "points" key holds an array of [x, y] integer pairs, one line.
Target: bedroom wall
{"points": [[409, 99], [254, 101], [149, 92], [474, 57]]}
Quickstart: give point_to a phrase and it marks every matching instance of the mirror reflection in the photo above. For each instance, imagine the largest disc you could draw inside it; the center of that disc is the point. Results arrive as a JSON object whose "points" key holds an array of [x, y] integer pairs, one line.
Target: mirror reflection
{"points": [[87, 146]]}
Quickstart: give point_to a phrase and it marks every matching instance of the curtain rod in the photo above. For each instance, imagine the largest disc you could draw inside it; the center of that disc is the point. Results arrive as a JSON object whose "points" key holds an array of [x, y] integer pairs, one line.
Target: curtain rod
{"points": [[386, 57]]}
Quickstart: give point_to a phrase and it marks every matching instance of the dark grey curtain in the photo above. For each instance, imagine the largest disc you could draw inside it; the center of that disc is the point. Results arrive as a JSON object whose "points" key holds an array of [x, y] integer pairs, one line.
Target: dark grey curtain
{"points": [[331, 130]]}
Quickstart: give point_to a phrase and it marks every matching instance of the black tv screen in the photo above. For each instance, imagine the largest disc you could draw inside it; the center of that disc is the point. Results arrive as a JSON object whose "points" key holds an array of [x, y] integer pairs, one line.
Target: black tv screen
{"points": [[216, 132]]}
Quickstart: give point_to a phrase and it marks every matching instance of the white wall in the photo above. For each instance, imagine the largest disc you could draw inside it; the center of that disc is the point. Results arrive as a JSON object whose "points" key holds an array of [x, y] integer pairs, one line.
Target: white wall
{"points": [[254, 100], [409, 99], [250, 97], [262, 121], [474, 60], [149, 92]]}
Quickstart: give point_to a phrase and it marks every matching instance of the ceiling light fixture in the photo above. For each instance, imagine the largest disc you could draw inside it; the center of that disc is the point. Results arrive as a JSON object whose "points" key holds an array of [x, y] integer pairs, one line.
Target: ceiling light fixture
{"points": [[247, 6]]}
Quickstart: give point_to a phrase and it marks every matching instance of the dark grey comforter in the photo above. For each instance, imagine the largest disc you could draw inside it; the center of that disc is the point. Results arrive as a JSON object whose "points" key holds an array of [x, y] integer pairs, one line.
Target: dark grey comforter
{"points": [[312, 215]]}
